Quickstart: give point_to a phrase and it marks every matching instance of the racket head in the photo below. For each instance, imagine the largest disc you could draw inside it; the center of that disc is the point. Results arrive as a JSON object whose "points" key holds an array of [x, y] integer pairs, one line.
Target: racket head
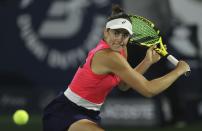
{"points": [[144, 32]]}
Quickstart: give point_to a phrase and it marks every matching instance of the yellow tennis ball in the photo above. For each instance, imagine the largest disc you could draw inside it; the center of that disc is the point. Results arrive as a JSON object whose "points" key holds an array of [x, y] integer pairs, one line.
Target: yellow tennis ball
{"points": [[20, 117]]}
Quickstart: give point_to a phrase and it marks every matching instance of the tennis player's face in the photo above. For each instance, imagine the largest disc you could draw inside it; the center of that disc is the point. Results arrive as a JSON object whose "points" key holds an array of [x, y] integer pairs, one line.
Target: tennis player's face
{"points": [[117, 38]]}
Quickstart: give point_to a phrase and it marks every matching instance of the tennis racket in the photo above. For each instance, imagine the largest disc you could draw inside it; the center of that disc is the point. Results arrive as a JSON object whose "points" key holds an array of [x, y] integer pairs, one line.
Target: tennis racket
{"points": [[146, 34]]}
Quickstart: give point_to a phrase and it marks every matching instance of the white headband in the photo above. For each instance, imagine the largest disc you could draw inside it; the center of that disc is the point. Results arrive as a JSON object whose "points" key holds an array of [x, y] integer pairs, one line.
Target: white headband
{"points": [[120, 23]]}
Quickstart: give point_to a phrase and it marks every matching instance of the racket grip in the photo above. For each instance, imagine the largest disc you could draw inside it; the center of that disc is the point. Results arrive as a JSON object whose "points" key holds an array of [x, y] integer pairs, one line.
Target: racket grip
{"points": [[174, 61]]}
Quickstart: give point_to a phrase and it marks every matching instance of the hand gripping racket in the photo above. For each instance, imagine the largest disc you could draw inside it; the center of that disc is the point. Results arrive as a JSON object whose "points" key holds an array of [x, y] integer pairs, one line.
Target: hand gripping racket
{"points": [[146, 34]]}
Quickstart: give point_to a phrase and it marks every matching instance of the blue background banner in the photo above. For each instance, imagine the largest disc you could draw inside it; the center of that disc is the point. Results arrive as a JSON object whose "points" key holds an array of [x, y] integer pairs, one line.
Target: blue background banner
{"points": [[43, 42]]}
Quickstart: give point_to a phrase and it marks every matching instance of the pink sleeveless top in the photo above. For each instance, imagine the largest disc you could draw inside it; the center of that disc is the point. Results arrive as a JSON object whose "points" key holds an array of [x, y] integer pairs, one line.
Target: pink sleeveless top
{"points": [[90, 86]]}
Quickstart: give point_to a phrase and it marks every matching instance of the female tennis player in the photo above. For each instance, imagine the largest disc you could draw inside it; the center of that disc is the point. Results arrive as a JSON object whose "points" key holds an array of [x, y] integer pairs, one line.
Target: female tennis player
{"points": [[106, 66]]}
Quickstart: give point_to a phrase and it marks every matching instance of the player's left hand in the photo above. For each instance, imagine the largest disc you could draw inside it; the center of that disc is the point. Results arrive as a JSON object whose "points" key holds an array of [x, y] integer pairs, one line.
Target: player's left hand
{"points": [[152, 56]]}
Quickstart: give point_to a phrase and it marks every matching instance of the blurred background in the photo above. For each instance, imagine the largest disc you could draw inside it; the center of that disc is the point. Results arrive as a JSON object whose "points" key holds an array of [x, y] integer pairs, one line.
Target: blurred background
{"points": [[42, 43]]}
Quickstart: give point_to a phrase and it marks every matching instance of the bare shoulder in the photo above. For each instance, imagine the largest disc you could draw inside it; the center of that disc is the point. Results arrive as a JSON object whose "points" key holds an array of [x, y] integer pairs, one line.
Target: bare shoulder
{"points": [[107, 56], [108, 61]]}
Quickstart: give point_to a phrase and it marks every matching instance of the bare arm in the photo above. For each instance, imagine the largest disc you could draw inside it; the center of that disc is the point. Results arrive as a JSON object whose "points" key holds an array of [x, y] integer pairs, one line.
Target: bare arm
{"points": [[143, 66], [122, 85], [110, 61], [151, 57]]}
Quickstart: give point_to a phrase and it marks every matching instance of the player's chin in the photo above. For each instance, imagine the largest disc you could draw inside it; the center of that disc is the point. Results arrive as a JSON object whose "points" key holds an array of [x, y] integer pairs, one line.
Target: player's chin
{"points": [[117, 49]]}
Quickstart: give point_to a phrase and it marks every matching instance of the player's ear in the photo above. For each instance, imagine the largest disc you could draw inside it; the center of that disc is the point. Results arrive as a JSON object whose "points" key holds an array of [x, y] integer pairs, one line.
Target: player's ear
{"points": [[106, 32]]}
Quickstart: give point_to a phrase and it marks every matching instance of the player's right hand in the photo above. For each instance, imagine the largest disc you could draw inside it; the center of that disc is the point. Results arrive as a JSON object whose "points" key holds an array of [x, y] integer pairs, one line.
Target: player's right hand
{"points": [[183, 66]]}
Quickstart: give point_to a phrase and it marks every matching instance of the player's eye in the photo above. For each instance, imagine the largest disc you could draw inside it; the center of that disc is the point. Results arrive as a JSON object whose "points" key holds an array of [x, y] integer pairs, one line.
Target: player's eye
{"points": [[120, 32], [125, 35]]}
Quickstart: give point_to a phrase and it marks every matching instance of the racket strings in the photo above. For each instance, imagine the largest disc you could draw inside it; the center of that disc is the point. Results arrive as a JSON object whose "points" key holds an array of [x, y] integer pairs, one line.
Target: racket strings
{"points": [[144, 31], [149, 39]]}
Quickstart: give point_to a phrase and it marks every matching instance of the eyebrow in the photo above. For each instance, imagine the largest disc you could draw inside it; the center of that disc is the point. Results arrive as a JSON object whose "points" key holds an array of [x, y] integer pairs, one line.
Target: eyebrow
{"points": [[122, 30]]}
